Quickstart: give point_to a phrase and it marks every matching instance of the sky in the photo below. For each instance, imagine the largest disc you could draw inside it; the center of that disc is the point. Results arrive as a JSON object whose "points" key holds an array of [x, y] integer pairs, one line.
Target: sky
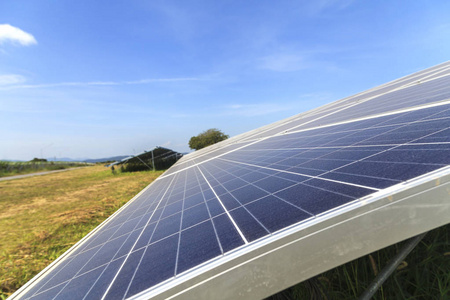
{"points": [[92, 79]]}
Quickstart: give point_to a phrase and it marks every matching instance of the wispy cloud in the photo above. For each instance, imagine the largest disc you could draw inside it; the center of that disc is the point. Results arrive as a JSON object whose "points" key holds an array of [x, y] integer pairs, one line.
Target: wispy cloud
{"points": [[251, 110], [11, 79], [283, 62], [94, 83], [15, 35], [319, 6]]}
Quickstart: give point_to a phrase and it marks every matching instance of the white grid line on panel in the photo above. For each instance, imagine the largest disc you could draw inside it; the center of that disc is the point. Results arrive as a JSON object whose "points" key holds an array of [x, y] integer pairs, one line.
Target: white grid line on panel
{"points": [[151, 236], [181, 224], [242, 205], [268, 193], [209, 212], [134, 245], [300, 174], [223, 206]]}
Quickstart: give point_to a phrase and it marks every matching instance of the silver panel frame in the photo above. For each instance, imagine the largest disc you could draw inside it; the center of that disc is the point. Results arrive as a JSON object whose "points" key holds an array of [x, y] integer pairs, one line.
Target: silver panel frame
{"points": [[307, 249]]}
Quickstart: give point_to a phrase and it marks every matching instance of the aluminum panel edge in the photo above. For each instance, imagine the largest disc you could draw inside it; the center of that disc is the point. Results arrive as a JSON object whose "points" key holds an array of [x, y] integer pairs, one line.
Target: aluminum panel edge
{"points": [[422, 205]]}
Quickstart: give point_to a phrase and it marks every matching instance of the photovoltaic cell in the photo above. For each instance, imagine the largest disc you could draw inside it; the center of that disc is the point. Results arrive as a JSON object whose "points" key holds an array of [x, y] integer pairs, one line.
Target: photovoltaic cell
{"points": [[220, 202]]}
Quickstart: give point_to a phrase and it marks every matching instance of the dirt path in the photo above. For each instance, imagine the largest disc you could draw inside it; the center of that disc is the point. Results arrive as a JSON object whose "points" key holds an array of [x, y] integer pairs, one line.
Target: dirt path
{"points": [[36, 174]]}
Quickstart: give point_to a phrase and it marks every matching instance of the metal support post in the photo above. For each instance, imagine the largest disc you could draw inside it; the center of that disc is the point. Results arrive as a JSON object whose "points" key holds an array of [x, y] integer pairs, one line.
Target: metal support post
{"points": [[391, 266], [153, 161]]}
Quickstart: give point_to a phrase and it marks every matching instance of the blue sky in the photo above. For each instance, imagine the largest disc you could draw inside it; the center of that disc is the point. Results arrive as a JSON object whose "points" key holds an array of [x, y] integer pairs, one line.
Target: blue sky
{"points": [[101, 78]]}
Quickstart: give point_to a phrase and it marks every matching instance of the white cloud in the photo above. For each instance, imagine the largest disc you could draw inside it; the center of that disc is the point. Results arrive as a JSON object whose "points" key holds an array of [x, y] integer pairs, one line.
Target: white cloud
{"points": [[97, 83], [15, 35], [11, 79]]}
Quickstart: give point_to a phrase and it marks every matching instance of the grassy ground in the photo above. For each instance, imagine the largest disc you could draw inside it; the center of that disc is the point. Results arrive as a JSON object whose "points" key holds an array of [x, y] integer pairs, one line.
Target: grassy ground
{"points": [[8, 168], [43, 216]]}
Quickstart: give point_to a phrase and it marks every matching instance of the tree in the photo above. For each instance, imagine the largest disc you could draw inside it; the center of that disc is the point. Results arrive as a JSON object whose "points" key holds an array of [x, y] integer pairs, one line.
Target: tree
{"points": [[38, 160], [206, 138]]}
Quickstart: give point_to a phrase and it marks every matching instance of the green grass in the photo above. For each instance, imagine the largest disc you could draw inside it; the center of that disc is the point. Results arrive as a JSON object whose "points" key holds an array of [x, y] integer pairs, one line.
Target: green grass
{"points": [[41, 217], [8, 168], [424, 274]]}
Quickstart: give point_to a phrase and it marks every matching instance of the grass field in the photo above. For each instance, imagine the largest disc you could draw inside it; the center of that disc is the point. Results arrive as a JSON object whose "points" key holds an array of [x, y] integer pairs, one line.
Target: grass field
{"points": [[41, 217], [8, 168]]}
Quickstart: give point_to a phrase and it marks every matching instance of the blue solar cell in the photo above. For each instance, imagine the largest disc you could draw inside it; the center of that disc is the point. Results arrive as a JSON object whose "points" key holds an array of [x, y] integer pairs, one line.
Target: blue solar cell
{"points": [[407, 154], [146, 235], [197, 245], [249, 226], [355, 153], [214, 207], [276, 214], [208, 194], [156, 264], [101, 237], [193, 200], [295, 177], [79, 286], [124, 275], [253, 176], [300, 170], [442, 136], [375, 182], [340, 188], [48, 294], [396, 171], [68, 271], [126, 227], [325, 164], [313, 200], [273, 184], [233, 184], [104, 254], [172, 209], [248, 193], [99, 285], [228, 235], [195, 215], [128, 244], [166, 227]]}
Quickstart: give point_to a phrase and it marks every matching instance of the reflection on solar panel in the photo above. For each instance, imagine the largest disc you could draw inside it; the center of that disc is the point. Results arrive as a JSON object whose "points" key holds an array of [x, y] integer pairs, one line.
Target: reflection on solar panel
{"points": [[259, 212]]}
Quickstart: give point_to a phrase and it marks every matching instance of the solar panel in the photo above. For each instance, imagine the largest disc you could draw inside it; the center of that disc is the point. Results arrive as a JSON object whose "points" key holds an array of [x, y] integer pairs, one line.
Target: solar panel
{"points": [[264, 210]]}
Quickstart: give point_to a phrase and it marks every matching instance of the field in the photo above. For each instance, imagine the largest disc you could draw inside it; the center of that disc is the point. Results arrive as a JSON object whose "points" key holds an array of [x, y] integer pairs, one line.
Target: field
{"points": [[8, 168], [41, 217]]}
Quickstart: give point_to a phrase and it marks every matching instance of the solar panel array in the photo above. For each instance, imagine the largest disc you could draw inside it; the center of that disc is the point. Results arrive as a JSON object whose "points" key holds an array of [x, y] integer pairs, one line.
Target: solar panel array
{"points": [[221, 200]]}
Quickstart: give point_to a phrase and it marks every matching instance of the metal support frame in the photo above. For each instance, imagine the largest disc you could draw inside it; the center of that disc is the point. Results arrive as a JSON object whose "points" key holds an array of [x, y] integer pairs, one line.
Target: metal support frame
{"points": [[144, 162], [391, 266], [153, 161]]}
